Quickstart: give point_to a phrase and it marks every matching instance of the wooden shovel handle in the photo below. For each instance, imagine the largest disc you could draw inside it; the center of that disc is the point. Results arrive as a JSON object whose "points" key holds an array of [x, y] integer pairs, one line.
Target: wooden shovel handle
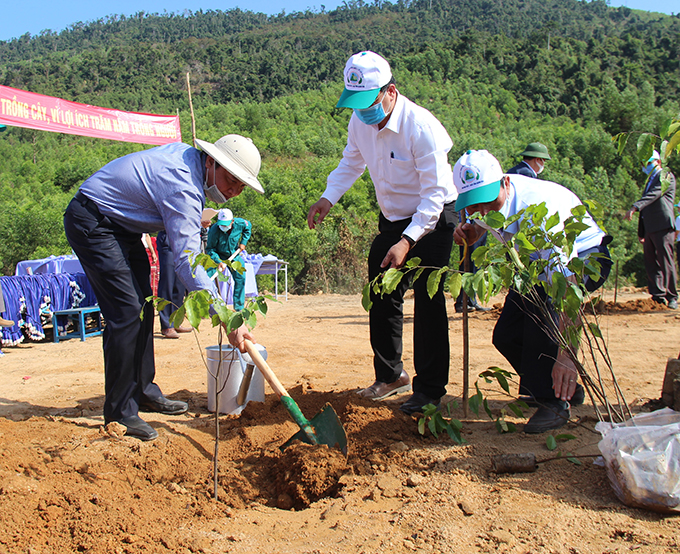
{"points": [[268, 374], [245, 385]]}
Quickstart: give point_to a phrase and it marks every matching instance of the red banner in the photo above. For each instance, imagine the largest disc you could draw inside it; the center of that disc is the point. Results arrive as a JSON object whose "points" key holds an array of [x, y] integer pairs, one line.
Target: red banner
{"points": [[47, 113]]}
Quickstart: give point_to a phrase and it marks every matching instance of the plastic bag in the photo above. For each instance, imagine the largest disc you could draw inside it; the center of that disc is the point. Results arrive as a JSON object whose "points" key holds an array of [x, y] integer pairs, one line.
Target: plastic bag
{"points": [[642, 459]]}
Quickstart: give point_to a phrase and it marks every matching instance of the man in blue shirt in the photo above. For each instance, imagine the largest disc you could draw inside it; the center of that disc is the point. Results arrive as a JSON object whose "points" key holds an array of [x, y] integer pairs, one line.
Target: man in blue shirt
{"points": [[161, 188]]}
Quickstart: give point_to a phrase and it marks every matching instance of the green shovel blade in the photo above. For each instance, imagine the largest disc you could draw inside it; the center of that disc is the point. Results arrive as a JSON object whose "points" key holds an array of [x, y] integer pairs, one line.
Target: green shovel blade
{"points": [[327, 428]]}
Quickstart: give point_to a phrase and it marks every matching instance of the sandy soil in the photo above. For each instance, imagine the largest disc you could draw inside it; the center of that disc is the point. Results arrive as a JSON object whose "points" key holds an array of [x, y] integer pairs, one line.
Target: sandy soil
{"points": [[68, 485]]}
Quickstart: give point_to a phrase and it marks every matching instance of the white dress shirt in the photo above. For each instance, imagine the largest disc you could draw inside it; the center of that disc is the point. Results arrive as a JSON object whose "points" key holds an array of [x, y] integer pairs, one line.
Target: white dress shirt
{"points": [[525, 191], [408, 164]]}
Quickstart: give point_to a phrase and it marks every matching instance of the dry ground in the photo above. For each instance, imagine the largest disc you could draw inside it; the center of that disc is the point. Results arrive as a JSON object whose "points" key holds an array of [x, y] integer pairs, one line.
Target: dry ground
{"points": [[68, 486]]}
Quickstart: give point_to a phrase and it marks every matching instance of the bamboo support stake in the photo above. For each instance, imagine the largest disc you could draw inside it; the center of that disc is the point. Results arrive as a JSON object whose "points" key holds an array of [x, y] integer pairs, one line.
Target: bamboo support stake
{"points": [[466, 333], [616, 282], [191, 109]]}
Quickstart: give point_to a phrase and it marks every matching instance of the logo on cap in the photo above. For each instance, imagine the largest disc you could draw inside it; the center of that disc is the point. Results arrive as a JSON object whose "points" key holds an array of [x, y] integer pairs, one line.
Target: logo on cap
{"points": [[469, 176], [354, 77]]}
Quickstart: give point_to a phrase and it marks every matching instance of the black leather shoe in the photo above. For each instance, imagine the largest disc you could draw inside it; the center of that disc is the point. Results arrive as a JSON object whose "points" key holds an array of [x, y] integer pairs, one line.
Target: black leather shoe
{"points": [[136, 427], [163, 405], [576, 400], [472, 307], [552, 414], [416, 402]]}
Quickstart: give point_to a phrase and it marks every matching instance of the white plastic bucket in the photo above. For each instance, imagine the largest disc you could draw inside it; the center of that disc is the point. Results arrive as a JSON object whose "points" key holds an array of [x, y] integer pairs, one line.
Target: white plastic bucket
{"points": [[231, 373]]}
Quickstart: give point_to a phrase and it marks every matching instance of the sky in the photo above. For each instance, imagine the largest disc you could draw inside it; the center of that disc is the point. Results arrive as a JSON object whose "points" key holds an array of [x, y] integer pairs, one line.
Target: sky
{"points": [[34, 16]]}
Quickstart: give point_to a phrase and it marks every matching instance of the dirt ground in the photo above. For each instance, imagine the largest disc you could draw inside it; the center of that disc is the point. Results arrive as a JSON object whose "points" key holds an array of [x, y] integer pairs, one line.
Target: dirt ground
{"points": [[66, 485]]}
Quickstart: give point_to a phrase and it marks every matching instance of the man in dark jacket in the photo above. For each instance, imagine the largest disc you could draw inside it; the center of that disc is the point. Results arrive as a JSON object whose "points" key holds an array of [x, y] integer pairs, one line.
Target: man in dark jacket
{"points": [[533, 160], [656, 229]]}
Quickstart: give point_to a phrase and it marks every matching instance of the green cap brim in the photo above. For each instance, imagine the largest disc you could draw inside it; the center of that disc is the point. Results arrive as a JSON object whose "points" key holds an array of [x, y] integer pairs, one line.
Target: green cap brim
{"points": [[480, 195], [222, 222], [533, 154], [357, 99]]}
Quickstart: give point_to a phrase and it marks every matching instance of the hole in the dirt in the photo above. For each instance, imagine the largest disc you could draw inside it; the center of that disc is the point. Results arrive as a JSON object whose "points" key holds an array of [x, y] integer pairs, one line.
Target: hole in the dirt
{"points": [[254, 469]]}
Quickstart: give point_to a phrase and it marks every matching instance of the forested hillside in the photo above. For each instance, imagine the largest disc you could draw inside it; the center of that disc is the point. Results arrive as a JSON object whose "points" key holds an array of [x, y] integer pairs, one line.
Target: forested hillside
{"points": [[497, 74]]}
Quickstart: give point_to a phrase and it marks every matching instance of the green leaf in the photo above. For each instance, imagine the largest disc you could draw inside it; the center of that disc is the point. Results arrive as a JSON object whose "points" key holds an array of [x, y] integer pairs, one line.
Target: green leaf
{"points": [[474, 402], [553, 220], [558, 287], [391, 279], [503, 382], [222, 311], [494, 220], [431, 425], [501, 425], [162, 303], [433, 280], [177, 317], [413, 262], [574, 460], [487, 409], [421, 426], [595, 330], [550, 442], [514, 256], [665, 127], [235, 321], [622, 140], [366, 301], [516, 409], [673, 143], [564, 437], [454, 434], [454, 283], [645, 147]]}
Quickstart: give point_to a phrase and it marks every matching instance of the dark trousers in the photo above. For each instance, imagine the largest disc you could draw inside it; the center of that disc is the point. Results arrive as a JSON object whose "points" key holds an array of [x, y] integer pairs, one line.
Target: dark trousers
{"points": [[660, 264], [529, 349], [169, 285], [430, 323], [117, 267], [520, 336]]}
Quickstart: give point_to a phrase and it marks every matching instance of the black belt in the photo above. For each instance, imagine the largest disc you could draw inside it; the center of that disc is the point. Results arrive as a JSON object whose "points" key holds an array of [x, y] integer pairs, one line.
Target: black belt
{"points": [[80, 197]]}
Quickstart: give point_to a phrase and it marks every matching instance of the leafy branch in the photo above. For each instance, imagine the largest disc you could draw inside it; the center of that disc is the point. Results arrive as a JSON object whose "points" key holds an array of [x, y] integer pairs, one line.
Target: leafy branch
{"points": [[534, 254], [202, 304]]}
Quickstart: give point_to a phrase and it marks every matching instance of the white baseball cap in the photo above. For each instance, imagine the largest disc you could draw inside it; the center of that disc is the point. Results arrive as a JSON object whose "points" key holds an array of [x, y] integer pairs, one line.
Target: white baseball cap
{"points": [[225, 217], [238, 155], [365, 74], [477, 176], [655, 156]]}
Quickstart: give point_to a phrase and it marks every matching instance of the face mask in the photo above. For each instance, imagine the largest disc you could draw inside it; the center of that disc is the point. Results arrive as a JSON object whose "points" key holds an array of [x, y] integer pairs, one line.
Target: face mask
{"points": [[541, 166], [649, 168], [225, 228], [373, 115], [213, 193]]}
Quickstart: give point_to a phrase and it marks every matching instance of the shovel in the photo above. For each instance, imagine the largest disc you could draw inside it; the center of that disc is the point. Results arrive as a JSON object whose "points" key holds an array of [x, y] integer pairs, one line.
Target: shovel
{"points": [[323, 428], [230, 259]]}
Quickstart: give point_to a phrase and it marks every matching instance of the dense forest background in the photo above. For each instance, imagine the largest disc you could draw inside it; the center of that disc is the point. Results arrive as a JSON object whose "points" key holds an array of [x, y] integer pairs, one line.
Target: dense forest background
{"points": [[498, 75]]}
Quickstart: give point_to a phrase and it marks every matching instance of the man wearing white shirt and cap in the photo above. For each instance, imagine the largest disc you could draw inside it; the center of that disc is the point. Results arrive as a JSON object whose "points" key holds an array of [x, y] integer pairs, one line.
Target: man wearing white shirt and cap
{"points": [[163, 188], [546, 373], [405, 149]]}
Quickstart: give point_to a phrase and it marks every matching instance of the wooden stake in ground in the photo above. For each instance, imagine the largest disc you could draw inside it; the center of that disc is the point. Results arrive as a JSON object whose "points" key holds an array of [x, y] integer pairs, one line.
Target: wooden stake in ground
{"points": [[466, 333], [191, 109]]}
